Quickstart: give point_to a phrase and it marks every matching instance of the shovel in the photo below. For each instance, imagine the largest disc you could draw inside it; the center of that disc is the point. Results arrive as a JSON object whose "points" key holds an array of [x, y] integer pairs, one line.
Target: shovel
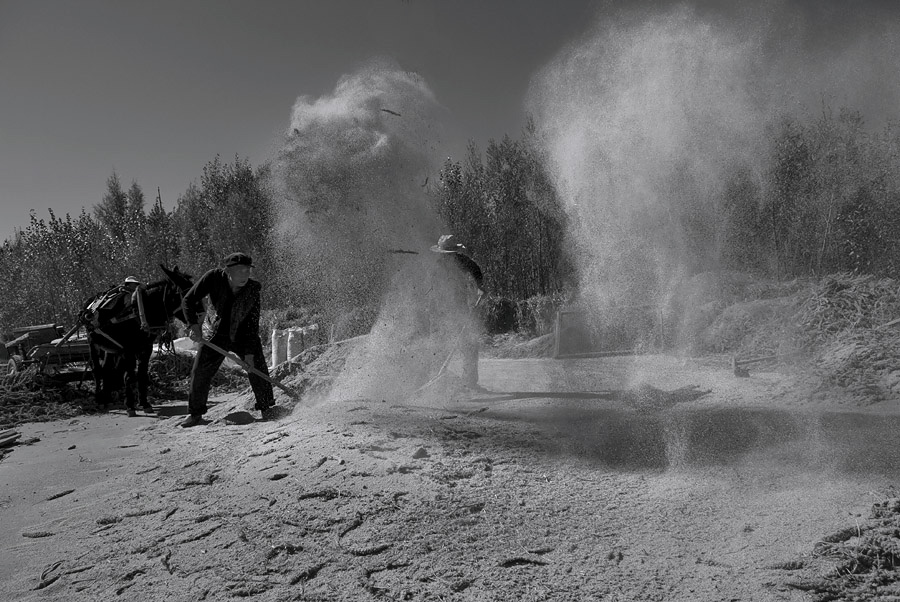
{"points": [[234, 357], [443, 367], [453, 349]]}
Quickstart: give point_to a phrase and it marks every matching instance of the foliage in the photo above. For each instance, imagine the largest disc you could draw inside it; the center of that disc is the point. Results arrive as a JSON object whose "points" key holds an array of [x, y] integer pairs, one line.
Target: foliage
{"points": [[826, 200], [831, 200], [506, 211], [51, 267], [229, 211], [112, 211]]}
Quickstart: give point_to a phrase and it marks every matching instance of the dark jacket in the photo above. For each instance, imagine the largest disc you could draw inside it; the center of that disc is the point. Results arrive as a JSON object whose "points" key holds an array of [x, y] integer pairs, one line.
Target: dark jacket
{"points": [[468, 265], [239, 312]]}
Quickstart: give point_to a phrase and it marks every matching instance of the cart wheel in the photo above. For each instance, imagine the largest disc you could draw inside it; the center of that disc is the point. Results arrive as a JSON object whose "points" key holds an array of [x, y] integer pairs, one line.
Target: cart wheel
{"points": [[11, 367]]}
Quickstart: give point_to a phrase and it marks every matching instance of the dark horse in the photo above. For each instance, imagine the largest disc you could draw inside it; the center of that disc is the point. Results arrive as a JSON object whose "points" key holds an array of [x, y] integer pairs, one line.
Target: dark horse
{"points": [[122, 327]]}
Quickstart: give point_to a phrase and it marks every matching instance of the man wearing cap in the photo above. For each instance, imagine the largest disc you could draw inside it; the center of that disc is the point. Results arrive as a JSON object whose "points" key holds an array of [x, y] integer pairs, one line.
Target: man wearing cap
{"points": [[235, 296], [130, 287], [472, 287]]}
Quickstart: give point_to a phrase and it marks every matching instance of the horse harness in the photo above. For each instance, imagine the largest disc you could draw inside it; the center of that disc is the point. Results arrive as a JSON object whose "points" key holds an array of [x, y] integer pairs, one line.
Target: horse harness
{"points": [[108, 301]]}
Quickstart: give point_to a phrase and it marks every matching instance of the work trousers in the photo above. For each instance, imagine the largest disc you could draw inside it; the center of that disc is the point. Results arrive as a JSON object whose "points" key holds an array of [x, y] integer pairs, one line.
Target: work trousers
{"points": [[207, 363]]}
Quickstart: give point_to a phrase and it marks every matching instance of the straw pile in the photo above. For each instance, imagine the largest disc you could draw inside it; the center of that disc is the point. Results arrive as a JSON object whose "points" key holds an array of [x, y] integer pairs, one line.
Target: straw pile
{"points": [[866, 559], [842, 319], [170, 376], [28, 397], [837, 321], [514, 345]]}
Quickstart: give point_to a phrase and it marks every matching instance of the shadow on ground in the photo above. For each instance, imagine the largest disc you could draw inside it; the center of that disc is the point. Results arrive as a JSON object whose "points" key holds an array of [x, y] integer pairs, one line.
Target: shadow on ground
{"points": [[605, 427]]}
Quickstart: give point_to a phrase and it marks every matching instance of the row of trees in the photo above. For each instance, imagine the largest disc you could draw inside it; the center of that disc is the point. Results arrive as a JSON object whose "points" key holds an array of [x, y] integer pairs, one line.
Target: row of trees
{"points": [[827, 201], [52, 266], [505, 207]]}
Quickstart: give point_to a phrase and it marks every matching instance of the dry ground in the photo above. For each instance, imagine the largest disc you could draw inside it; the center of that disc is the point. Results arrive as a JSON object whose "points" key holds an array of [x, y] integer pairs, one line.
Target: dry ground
{"points": [[569, 482]]}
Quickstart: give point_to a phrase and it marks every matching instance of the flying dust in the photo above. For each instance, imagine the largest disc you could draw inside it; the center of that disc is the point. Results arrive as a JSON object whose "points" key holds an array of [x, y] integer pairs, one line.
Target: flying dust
{"points": [[351, 174], [645, 117], [643, 120]]}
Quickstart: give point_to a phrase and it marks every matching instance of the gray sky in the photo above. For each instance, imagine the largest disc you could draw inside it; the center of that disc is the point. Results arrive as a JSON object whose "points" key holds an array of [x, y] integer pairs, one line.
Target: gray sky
{"points": [[154, 90]]}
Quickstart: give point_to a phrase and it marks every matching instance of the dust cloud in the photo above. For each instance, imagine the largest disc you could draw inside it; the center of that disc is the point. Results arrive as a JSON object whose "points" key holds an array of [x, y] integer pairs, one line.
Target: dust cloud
{"points": [[355, 224], [644, 116]]}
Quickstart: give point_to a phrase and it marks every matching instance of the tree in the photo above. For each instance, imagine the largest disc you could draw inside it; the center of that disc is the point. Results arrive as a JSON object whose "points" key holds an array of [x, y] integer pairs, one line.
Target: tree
{"points": [[229, 211], [504, 203], [53, 267], [112, 210], [161, 240]]}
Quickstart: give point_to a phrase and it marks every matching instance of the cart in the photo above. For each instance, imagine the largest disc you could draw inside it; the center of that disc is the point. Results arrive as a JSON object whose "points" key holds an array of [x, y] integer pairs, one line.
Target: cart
{"points": [[42, 345]]}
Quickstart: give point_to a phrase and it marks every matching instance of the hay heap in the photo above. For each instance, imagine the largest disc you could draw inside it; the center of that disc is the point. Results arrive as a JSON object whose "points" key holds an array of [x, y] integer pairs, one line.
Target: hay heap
{"points": [[29, 397], [513, 345], [844, 320], [864, 559], [170, 376], [730, 312], [836, 323]]}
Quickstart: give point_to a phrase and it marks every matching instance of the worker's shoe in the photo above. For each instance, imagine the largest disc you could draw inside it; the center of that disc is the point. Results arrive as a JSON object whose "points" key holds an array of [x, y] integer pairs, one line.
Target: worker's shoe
{"points": [[147, 408], [192, 420], [270, 413]]}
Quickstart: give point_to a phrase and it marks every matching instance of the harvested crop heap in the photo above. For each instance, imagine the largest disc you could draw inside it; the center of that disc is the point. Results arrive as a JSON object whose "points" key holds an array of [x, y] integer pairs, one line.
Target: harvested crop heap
{"points": [[864, 559], [170, 376], [839, 329], [313, 371], [27, 397], [845, 320], [513, 345]]}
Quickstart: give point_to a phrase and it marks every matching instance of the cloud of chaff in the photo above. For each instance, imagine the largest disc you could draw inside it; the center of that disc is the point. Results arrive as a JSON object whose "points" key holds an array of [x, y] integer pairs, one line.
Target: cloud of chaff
{"points": [[355, 222]]}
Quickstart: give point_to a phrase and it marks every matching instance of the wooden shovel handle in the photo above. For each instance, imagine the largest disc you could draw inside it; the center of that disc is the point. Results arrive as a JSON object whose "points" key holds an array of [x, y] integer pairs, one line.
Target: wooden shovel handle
{"points": [[233, 356]]}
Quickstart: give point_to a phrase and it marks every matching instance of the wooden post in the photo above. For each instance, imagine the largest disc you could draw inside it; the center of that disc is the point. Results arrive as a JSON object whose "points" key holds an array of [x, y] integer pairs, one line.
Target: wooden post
{"points": [[556, 330]]}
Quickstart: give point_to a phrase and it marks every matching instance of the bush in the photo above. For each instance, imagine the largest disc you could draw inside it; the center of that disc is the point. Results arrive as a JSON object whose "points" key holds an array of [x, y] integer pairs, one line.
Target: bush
{"points": [[537, 315], [499, 315]]}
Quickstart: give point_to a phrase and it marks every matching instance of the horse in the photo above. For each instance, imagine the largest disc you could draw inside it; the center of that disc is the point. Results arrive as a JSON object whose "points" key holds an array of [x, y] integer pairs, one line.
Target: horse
{"points": [[122, 327]]}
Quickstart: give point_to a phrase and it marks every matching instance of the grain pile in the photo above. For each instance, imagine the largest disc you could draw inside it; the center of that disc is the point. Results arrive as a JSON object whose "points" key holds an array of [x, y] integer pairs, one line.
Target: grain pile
{"points": [[312, 372], [730, 312]]}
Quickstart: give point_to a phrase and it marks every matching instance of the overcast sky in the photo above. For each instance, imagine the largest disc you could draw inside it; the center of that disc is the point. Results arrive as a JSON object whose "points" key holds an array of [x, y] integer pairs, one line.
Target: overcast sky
{"points": [[154, 90]]}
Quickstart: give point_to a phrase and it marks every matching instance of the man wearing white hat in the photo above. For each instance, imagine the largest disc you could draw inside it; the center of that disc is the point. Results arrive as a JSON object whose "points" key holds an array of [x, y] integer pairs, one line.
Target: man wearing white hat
{"points": [[469, 344], [130, 287]]}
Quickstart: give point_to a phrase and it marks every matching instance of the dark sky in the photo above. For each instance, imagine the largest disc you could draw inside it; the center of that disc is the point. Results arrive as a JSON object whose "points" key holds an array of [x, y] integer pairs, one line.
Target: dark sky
{"points": [[154, 90]]}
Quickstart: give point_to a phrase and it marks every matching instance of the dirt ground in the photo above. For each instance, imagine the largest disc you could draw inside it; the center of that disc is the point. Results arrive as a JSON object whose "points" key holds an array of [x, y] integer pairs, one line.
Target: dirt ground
{"points": [[629, 478]]}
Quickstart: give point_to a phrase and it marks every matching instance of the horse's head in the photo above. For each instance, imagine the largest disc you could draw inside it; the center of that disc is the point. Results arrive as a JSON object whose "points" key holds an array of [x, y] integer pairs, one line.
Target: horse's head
{"points": [[179, 279], [177, 283]]}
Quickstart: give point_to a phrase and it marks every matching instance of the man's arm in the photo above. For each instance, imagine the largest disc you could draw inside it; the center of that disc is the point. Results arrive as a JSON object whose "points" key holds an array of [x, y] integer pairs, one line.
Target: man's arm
{"points": [[192, 304]]}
